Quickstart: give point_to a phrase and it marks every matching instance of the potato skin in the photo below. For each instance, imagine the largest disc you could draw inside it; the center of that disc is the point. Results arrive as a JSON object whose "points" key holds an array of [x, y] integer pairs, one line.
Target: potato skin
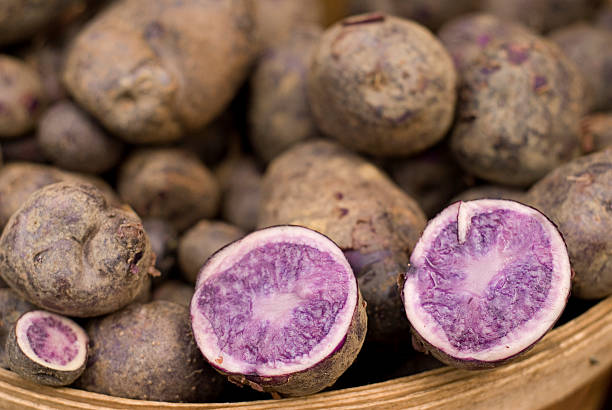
{"points": [[467, 35], [73, 141], [147, 352], [490, 191], [596, 132], [277, 19], [21, 97], [279, 112], [590, 49], [20, 179], [69, 251], [170, 184], [382, 85], [20, 19], [541, 15], [430, 13], [520, 106], [11, 307], [200, 242], [324, 187], [137, 66], [175, 291], [576, 197]]}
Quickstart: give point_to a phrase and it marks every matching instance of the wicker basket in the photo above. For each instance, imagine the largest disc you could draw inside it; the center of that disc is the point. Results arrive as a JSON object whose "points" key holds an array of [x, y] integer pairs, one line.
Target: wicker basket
{"points": [[569, 368]]}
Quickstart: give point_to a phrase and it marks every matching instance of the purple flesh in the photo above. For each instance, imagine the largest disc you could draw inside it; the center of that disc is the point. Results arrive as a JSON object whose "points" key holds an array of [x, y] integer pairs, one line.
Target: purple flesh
{"points": [[275, 304], [499, 280], [52, 341]]}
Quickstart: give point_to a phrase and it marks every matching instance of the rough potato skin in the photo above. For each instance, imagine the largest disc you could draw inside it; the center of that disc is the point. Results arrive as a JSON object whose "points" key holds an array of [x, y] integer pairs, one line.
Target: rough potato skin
{"points": [[147, 352], [431, 178], [200, 242], [279, 113], [596, 132], [277, 19], [20, 19], [577, 198], [490, 191], [21, 97], [324, 187], [240, 180], [73, 141], [590, 48], [11, 307], [70, 252], [541, 15], [520, 106], [430, 13], [466, 36], [138, 65], [20, 179], [174, 291], [170, 184], [323, 374], [25, 367], [382, 85]]}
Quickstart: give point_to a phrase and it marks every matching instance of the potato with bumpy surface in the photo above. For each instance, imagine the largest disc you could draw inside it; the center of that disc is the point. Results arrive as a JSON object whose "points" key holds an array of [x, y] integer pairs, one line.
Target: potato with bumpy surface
{"points": [[137, 67], [73, 141], [382, 85], [520, 106], [21, 97], [69, 251], [170, 184], [324, 187], [147, 352], [19, 180]]}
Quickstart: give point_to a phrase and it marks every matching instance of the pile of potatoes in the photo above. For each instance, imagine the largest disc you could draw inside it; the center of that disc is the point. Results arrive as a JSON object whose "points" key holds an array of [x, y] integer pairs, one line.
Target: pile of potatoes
{"points": [[137, 138]]}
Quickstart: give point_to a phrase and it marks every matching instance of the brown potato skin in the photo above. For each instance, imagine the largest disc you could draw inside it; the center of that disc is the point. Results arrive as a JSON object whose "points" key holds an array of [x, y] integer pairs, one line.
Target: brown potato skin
{"points": [[12, 306], [590, 48], [200, 242], [73, 141], [20, 179], [382, 85], [164, 243], [490, 191], [69, 251], [137, 67], [21, 97], [276, 19], [175, 291], [430, 13], [467, 35], [279, 112], [23, 149], [170, 184], [596, 132], [324, 187], [240, 179], [20, 19], [576, 197], [526, 78], [147, 352], [541, 15]]}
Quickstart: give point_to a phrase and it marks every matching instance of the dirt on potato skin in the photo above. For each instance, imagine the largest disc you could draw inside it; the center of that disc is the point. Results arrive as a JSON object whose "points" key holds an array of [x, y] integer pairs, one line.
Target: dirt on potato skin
{"points": [[170, 184], [147, 352], [69, 251], [382, 85], [324, 187], [12, 306], [577, 198], [137, 65], [526, 77]]}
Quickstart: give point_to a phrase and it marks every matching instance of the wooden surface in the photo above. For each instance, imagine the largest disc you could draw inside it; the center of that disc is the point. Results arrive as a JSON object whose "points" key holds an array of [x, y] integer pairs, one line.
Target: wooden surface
{"points": [[571, 364]]}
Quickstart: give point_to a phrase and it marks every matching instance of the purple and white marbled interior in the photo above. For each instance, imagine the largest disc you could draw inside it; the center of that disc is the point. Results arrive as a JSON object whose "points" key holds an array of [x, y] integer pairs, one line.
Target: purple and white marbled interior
{"points": [[280, 305], [52, 340], [487, 279]]}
